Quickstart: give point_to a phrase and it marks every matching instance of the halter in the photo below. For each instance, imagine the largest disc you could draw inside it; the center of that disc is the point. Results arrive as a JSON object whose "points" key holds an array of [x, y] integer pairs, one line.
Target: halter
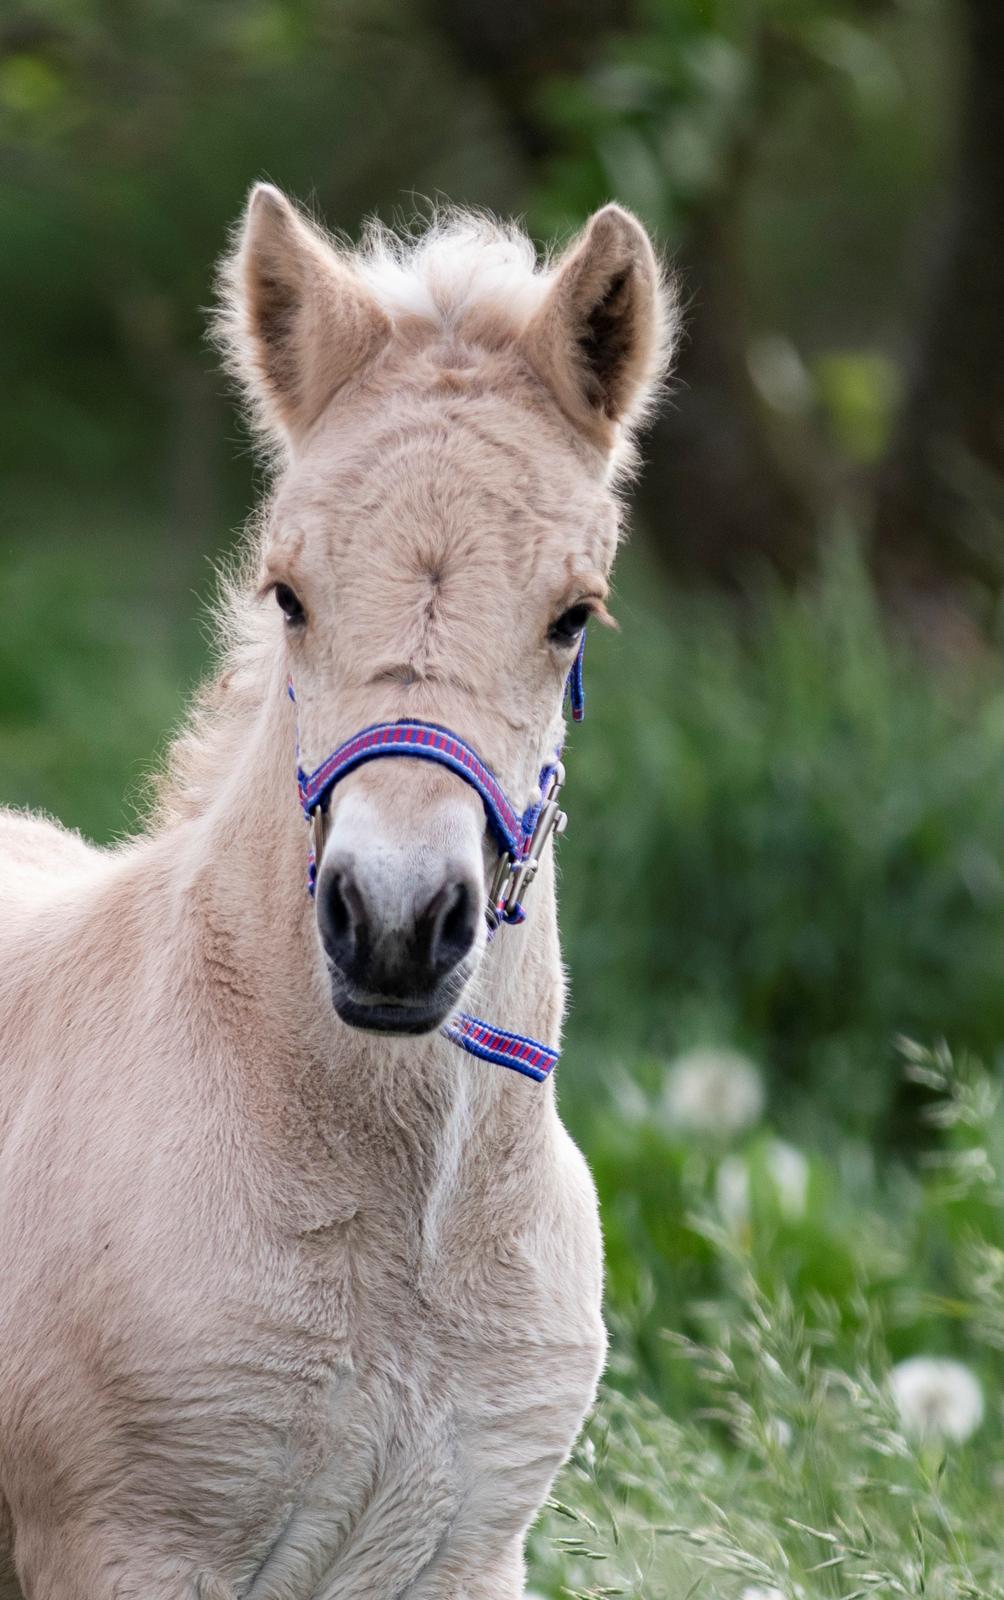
{"points": [[519, 835]]}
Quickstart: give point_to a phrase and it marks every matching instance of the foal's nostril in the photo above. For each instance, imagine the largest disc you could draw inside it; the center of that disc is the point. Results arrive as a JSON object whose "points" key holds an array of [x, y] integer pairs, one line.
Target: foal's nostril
{"points": [[341, 917], [450, 926]]}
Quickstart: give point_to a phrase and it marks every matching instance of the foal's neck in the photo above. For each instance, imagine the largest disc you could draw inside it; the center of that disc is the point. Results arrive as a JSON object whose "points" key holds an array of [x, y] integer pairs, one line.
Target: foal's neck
{"points": [[262, 972]]}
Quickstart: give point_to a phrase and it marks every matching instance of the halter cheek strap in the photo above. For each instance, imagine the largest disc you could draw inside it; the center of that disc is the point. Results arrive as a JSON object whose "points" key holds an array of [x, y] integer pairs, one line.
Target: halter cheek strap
{"points": [[520, 836]]}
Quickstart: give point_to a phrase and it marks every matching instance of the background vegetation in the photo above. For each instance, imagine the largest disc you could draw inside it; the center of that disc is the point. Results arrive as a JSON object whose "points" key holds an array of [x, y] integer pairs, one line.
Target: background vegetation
{"points": [[787, 833]]}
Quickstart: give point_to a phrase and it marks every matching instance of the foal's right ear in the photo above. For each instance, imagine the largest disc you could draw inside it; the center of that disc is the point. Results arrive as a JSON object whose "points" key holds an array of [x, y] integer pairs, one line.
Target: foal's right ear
{"points": [[295, 321]]}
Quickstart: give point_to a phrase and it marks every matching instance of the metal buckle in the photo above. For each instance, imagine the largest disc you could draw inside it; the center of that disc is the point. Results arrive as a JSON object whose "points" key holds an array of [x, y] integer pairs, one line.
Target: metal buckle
{"points": [[512, 878], [319, 833]]}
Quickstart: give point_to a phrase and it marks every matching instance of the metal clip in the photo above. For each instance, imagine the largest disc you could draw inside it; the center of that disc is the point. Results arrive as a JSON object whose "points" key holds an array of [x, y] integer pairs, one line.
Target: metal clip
{"points": [[498, 888], [517, 876]]}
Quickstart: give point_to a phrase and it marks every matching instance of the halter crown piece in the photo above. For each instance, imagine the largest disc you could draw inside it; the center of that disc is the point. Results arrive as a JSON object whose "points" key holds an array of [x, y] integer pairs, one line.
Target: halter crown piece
{"points": [[520, 836]]}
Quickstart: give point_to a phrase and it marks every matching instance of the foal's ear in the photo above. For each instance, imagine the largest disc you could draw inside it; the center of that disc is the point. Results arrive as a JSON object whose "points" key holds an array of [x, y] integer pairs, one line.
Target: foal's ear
{"points": [[601, 341], [295, 320]]}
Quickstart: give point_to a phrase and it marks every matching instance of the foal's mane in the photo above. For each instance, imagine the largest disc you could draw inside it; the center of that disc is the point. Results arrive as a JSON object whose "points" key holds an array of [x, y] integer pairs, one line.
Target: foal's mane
{"points": [[450, 264], [444, 268]]}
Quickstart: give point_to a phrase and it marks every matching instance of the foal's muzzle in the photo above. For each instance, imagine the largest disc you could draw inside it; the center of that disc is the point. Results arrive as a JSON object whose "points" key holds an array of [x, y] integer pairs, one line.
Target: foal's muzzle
{"points": [[396, 968], [424, 956]]}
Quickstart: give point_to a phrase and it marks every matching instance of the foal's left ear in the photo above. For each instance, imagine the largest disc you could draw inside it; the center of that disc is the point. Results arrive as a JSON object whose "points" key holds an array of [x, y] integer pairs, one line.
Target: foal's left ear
{"points": [[296, 321], [602, 339]]}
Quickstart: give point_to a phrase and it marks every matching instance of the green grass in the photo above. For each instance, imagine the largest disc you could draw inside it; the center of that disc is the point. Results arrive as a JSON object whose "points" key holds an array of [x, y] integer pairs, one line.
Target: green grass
{"points": [[782, 1463]]}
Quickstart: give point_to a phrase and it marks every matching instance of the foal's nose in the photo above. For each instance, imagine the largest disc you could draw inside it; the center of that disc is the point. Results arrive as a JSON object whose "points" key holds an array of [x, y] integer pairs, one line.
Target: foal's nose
{"points": [[401, 947]]}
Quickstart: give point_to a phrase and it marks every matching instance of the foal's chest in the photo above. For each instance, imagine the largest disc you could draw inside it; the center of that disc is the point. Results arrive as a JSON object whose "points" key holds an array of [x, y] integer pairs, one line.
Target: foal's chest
{"points": [[431, 1391]]}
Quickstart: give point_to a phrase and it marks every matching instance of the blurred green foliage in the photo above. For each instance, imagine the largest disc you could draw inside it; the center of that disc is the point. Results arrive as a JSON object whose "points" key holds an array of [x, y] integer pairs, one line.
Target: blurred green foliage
{"points": [[795, 830], [814, 135], [788, 1464], [129, 135], [662, 117], [99, 646]]}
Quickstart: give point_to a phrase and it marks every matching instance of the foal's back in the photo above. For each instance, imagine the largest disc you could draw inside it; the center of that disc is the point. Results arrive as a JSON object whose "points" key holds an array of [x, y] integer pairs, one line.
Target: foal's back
{"points": [[46, 878], [38, 859]]}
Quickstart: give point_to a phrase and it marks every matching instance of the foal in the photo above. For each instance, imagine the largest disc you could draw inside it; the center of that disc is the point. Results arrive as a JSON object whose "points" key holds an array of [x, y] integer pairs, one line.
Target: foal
{"points": [[298, 1301]]}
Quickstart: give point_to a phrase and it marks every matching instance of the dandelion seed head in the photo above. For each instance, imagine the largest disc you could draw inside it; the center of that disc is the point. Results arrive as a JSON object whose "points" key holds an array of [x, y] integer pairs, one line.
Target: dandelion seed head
{"points": [[713, 1091], [787, 1171], [936, 1397], [630, 1100], [779, 1432]]}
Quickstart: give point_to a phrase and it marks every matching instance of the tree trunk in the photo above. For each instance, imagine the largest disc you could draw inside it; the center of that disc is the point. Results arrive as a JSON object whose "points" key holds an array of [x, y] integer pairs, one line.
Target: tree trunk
{"points": [[715, 501], [940, 506], [516, 46]]}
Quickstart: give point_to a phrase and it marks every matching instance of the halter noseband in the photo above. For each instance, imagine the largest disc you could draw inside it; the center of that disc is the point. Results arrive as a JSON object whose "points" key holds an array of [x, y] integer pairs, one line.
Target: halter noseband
{"points": [[520, 836]]}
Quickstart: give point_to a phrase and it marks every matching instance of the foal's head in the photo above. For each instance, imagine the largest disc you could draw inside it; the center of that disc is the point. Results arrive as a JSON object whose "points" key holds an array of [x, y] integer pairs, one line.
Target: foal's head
{"points": [[451, 418]]}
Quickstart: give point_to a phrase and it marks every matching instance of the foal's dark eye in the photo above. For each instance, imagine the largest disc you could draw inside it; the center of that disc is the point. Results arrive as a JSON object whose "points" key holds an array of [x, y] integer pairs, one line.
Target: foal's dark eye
{"points": [[288, 603], [566, 628]]}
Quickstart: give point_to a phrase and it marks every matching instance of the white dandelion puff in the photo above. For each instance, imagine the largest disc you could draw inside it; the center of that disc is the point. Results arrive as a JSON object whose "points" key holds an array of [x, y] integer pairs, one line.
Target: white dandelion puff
{"points": [[779, 1432], [936, 1398], [760, 1591], [713, 1091], [786, 1170], [789, 1173], [630, 1100]]}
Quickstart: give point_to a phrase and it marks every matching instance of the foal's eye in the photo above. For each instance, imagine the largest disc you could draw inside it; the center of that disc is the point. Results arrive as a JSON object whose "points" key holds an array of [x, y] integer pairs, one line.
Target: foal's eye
{"points": [[288, 603], [567, 628]]}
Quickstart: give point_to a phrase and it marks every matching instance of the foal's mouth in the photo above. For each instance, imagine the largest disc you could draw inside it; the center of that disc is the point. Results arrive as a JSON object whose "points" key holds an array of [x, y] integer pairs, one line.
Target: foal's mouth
{"points": [[391, 1016], [408, 1011]]}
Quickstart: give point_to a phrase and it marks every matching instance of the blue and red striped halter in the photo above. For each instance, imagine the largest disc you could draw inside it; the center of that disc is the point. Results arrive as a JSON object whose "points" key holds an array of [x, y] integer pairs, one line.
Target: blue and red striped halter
{"points": [[520, 835]]}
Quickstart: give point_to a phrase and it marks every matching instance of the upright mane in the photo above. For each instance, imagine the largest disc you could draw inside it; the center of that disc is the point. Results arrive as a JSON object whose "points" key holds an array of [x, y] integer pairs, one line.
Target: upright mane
{"points": [[458, 264]]}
